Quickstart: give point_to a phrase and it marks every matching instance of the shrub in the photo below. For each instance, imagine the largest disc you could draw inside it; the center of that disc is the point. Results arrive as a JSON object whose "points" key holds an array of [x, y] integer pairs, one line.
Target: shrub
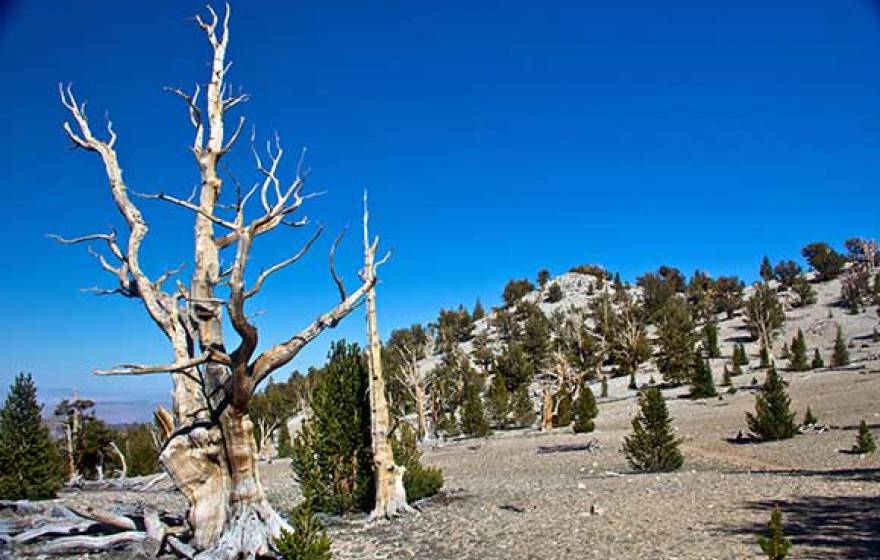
{"points": [[308, 540], [773, 419], [418, 480], [775, 545], [865, 440], [652, 446], [585, 410], [30, 467]]}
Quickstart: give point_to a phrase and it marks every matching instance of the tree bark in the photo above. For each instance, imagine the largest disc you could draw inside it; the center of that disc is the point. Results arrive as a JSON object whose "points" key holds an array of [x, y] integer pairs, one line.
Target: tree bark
{"points": [[390, 492], [547, 411]]}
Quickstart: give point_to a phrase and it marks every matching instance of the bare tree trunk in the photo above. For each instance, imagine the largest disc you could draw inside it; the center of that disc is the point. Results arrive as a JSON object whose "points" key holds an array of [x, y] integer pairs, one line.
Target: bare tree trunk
{"points": [[390, 492], [420, 411], [547, 411], [210, 451]]}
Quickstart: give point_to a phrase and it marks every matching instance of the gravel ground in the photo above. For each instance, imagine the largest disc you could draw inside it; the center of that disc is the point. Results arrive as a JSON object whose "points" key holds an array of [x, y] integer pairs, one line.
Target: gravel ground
{"points": [[504, 500]]}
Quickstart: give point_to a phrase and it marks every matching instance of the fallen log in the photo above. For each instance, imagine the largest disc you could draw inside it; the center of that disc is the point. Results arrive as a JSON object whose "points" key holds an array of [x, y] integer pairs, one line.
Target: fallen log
{"points": [[84, 544], [106, 517]]}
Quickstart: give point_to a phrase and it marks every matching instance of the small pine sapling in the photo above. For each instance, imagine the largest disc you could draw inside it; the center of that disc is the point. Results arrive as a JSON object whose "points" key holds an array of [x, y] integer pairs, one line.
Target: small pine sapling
{"points": [[604, 387], [865, 443], [308, 540], [818, 362], [652, 445], [840, 357], [773, 419], [585, 411], [810, 418], [775, 545]]}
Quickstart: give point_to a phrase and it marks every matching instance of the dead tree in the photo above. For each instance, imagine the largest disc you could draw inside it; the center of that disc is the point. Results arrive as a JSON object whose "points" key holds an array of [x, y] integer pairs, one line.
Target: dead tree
{"points": [[390, 492], [416, 379], [210, 451]]}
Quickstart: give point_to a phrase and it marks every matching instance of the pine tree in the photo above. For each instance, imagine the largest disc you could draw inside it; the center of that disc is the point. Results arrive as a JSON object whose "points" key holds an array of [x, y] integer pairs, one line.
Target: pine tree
{"points": [[554, 293], [798, 361], [766, 270], [30, 467], [710, 334], [603, 391], [522, 408], [818, 362], [726, 380], [740, 356], [786, 353], [702, 384], [675, 340], [473, 416], [775, 546], [332, 455], [764, 357], [773, 419], [478, 312], [865, 440], [285, 445], [585, 410], [652, 446], [840, 357], [543, 277], [419, 481], [498, 402], [809, 418], [563, 409], [308, 540]]}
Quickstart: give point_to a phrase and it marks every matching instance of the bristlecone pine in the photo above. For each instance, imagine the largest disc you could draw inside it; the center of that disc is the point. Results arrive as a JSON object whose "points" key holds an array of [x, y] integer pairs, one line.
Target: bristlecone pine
{"points": [[773, 419], [652, 446], [212, 454], [307, 540]]}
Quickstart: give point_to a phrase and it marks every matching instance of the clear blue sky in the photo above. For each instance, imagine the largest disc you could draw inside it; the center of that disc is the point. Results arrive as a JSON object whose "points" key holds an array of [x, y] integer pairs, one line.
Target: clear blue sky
{"points": [[496, 139]]}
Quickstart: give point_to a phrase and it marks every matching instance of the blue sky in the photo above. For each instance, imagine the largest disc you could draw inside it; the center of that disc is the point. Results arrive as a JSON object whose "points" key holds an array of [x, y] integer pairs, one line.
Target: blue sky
{"points": [[496, 138]]}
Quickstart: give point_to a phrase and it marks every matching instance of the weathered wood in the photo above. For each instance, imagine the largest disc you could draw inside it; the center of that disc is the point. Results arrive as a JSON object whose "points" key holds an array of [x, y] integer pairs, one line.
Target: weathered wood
{"points": [[83, 544], [390, 492], [105, 517], [155, 532], [61, 527]]}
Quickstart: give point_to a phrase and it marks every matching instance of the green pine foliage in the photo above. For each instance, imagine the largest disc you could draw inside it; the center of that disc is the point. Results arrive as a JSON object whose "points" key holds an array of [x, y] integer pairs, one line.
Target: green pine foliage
{"points": [[515, 290], [308, 540], [817, 362], [710, 337], [702, 384], [478, 312], [766, 270], [786, 353], [585, 411], [806, 295], [675, 341], [543, 277], [563, 415], [827, 262], [332, 455], [773, 419], [764, 356], [840, 357], [139, 448], [554, 293], [522, 408], [776, 546], [285, 444], [865, 443], [473, 415], [652, 446], [498, 403], [798, 359], [809, 418], [740, 357], [726, 380], [418, 480], [30, 467]]}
